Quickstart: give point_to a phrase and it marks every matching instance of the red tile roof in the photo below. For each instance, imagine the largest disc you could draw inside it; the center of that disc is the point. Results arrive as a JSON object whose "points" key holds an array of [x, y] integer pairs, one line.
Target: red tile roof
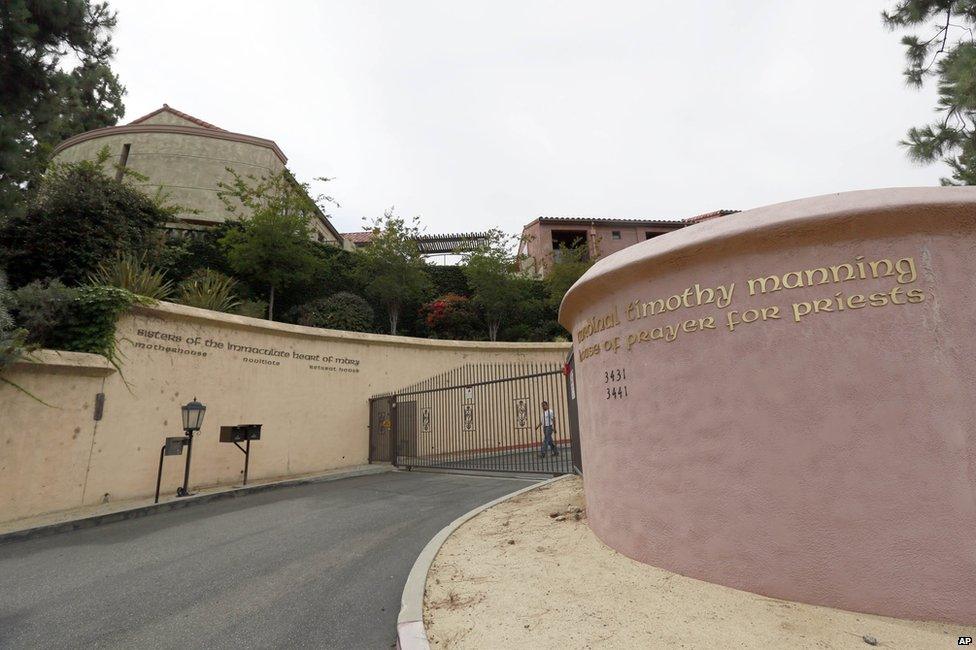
{"points": [[361, 237], [168, 109], [708, 215], [610, 220], [645, 222]]}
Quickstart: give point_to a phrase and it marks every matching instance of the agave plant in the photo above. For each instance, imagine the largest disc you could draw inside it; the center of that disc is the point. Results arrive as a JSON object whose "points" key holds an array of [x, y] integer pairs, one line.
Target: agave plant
{"points": [[208, 289], [133, 274]]}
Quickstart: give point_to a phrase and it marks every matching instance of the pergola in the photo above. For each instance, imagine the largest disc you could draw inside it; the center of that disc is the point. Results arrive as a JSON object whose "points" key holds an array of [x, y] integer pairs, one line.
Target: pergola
{"points": [[450, 243]]}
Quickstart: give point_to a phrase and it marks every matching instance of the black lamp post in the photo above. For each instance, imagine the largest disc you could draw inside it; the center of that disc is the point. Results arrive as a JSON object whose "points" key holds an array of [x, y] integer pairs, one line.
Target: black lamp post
{"points": [[192, 420]]}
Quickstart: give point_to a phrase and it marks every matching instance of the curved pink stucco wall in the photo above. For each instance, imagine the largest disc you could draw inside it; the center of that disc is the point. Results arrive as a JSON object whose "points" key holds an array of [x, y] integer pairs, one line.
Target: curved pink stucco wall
{"points": [[829, 461]]}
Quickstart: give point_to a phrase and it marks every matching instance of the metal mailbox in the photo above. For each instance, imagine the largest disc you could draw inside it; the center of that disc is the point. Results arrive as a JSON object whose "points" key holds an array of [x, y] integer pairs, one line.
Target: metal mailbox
{"points": [[240, 433], [174, 446]]}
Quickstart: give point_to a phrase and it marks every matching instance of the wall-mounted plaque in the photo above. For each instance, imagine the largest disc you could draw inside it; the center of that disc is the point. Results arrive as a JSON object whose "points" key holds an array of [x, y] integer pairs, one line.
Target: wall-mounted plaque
{"points": [[521, 413]]}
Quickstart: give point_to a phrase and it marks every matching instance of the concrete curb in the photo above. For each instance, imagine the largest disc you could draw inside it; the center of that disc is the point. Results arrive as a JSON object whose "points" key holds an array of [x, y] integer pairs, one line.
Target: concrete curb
{"points": [[155, 508], [411, 634]]}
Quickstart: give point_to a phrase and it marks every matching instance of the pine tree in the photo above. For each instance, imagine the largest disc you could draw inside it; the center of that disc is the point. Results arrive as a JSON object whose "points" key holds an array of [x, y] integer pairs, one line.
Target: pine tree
{"points": [[43, 100], [947, 53]]}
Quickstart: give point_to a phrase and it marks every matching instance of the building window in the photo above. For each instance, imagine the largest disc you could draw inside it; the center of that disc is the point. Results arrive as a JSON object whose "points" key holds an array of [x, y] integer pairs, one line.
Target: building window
{"points": [[568, 239], [565, 240], [615, 234], [123, 159], [650, 235]]}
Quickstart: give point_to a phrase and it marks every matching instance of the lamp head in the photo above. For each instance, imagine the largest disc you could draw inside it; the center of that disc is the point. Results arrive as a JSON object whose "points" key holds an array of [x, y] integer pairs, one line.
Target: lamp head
{"points": [[193, 415]]}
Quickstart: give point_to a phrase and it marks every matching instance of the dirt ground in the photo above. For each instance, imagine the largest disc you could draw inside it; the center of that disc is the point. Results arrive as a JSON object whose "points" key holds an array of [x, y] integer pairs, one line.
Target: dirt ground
{"points": [[517, 577]]}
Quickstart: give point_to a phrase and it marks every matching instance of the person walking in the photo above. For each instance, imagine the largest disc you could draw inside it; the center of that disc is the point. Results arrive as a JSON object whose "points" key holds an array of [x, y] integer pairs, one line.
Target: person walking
{"points": [[548, 425]]}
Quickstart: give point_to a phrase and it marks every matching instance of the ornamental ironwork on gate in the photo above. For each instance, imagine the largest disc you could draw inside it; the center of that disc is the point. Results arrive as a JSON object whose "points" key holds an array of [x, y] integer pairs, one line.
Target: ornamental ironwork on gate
{"points": [[485, 417]]}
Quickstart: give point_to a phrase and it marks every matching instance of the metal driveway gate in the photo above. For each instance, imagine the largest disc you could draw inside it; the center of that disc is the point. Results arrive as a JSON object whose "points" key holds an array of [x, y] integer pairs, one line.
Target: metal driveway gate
{"points": [[478, 417], [381, 429]]}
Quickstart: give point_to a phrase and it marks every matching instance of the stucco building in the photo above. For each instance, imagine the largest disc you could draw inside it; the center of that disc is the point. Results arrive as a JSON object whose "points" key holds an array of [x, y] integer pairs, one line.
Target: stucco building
{"points": [[186, 159], [543, 238]]}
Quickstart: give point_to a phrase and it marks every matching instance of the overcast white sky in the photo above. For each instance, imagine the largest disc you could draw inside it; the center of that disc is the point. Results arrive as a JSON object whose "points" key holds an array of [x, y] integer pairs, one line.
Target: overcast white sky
{"points": [[475, 115]]}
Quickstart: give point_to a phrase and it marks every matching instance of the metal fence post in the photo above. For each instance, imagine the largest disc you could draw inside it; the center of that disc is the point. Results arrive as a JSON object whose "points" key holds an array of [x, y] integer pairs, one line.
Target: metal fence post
{"points": [[394, 434]]}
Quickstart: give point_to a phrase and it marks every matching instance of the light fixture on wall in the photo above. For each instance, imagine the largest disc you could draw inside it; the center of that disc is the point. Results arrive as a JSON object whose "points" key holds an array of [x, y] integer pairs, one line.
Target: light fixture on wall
{"points": [[192, 421]]}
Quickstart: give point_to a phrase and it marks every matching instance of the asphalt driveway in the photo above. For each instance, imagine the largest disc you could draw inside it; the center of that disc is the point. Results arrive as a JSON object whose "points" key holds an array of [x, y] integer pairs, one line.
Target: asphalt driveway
{"points": [[313, 566]]}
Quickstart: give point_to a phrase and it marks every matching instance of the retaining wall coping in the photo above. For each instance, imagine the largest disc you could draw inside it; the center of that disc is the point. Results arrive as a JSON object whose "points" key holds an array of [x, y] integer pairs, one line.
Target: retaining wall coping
{"points": [[80, 363], [780, 218], [161, 309]]}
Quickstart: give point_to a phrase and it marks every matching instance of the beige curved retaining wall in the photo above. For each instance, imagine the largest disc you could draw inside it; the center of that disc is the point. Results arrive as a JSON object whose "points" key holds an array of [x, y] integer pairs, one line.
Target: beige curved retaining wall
{"points": [[308, 387], [815, 442]]}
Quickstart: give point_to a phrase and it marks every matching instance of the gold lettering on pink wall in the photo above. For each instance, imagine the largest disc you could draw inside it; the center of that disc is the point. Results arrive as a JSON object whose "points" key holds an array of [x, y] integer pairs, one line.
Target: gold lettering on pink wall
{"points": [[895, 273]]}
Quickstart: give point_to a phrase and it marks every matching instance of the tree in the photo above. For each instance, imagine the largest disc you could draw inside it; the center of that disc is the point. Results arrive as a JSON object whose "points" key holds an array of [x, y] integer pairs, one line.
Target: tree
{"points": [[272, 251], [391, 268], [536, 319], [568, 265], [490, 270], [448, 279], [79, 218], [949, 54], [43, 99], [272, 248]]}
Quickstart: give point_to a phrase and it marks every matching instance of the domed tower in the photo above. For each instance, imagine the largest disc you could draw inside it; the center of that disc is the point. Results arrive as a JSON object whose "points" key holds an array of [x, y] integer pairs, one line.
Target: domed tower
{"points": [[186, 158]]}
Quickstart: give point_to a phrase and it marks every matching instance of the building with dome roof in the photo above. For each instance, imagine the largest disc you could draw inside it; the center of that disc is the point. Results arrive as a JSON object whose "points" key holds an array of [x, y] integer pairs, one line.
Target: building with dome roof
{"points": [[186, 158]]}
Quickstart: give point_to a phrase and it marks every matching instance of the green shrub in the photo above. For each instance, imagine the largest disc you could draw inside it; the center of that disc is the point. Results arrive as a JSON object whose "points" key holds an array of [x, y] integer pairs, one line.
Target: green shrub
{"points": [[6, 303], [41, 307], [90, 325], [79, 320], [341, 311], [208, 289], [13, 347], [13, 340], [133, 274], [79, 218], [194, 250], [335, 271], [448, 279], [73, 319]]}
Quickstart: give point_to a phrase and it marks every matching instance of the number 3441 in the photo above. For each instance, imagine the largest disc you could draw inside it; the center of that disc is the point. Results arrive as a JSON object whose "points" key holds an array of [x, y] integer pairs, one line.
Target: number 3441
{"points": [[617, 392]]}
